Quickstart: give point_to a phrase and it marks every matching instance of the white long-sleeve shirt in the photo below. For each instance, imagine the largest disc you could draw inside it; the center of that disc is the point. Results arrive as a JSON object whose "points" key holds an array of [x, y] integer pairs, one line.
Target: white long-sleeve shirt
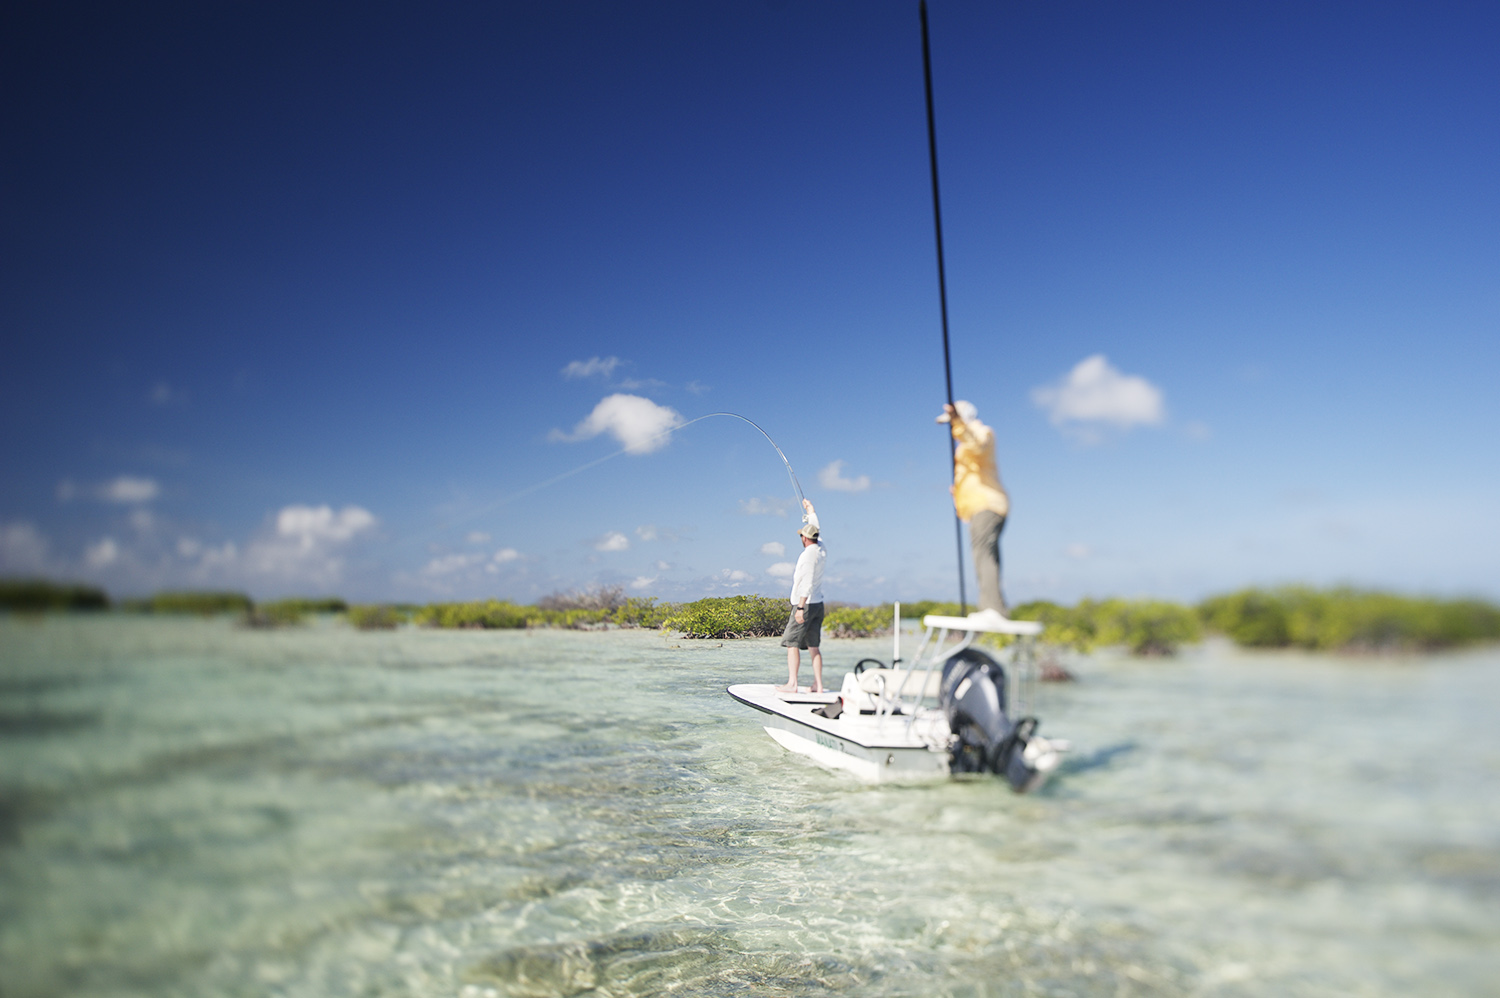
{"points": [[807, 579]]}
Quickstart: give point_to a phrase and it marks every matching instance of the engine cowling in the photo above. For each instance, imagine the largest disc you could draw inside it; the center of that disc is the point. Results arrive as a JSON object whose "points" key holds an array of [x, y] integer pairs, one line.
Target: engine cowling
{"points": [[972, 695]]}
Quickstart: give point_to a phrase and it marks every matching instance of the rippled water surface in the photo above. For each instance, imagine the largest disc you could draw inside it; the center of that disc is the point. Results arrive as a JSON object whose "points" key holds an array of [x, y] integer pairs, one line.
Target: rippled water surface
{"points": [[189, 808]]}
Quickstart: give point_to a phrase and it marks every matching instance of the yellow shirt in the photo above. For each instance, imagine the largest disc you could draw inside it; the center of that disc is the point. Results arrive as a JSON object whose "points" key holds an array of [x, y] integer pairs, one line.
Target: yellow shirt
{"points": [[976, 482]]}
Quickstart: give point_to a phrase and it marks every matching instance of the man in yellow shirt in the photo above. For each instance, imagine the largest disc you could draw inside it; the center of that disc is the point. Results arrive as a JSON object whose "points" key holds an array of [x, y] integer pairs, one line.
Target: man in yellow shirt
{"points": [[979, 498]]}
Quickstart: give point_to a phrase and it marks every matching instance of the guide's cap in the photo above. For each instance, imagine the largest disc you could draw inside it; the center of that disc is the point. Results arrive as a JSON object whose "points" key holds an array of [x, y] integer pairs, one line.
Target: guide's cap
{"points": [[966, 412], [809, 531]]}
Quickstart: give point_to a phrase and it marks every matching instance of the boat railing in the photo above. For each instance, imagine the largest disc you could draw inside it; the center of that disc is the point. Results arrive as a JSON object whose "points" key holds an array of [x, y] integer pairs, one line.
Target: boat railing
{"points": [[969, 629]]}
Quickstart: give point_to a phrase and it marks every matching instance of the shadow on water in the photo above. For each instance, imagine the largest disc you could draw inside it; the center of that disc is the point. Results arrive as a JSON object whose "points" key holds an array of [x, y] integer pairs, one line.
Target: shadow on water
{"points": [[35, 723], [1100, 759]]}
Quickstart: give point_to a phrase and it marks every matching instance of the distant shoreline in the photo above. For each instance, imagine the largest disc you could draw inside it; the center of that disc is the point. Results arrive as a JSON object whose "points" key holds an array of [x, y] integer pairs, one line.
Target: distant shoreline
{"points": [[1344, 619]]}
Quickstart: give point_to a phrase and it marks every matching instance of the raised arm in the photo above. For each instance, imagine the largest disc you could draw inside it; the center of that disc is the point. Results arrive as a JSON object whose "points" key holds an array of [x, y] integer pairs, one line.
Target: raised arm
{"points": [[810, 516]]}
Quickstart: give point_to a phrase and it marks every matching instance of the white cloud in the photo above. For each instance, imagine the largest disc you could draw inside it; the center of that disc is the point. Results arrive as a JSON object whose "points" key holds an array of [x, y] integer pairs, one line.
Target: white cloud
{"points": [[449, 563], [1078, 551], [735, 575], [224, 555], [647, 532], [310, 525], [594, 366], [106, 552], [506, 554], [638, 423], [1095, 392], [764, 507], [22, 548], [478, 537], [832, 478], [642, 582], [142, 520], [696, 387], [188, 547], [782, 570], [1196, 429], [303, 547], [774, 548], [128, 488], [663, 566], [612, 541]]}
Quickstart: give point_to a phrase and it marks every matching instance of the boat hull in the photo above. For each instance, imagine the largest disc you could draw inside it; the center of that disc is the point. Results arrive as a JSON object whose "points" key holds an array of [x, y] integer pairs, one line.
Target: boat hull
{"points": [[874, 749]]}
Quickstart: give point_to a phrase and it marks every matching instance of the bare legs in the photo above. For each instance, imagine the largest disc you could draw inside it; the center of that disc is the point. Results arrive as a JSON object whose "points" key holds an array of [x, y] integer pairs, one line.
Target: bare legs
{"points": [[794, 665]]}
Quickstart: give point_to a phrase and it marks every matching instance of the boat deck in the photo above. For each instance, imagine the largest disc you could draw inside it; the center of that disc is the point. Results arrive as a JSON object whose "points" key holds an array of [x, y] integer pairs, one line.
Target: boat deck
{"points": [[877, 748]]}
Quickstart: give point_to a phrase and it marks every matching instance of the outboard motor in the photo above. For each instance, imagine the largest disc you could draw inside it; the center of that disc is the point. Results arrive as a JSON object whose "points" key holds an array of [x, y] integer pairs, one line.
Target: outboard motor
{"points": [[972, 696]]}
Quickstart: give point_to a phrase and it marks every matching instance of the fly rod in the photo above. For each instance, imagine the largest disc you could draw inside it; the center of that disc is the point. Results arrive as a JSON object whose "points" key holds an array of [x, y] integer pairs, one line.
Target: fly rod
{"points": [[937, 222]]}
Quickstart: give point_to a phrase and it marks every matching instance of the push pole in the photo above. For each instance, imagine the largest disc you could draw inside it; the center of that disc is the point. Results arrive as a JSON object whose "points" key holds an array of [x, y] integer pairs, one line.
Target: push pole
{"points": [[937, 222]]}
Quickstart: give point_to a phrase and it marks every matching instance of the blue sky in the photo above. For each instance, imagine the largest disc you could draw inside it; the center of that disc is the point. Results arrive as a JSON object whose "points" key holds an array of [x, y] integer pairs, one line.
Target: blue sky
{"points": [[312, 300]]}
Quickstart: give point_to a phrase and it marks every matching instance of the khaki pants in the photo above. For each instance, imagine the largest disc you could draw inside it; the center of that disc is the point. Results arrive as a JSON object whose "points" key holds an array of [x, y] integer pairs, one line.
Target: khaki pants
{"points": [[984, 544]]}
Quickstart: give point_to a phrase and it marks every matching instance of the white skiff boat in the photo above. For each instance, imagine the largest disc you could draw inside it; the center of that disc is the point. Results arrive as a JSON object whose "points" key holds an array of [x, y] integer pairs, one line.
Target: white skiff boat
{"points": [[945, 714]]}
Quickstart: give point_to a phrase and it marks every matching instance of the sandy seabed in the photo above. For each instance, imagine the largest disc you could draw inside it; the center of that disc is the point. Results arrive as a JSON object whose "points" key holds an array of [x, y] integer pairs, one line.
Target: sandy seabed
{"points": [[191, 808]]}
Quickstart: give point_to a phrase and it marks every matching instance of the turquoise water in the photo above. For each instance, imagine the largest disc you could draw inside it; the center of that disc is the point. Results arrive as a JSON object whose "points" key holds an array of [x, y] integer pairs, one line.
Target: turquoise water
{"points": [[190, 808]]}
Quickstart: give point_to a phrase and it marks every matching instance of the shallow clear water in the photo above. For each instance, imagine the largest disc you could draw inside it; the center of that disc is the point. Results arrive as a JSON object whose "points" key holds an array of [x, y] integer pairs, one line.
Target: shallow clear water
{"points": [[189, 808]]}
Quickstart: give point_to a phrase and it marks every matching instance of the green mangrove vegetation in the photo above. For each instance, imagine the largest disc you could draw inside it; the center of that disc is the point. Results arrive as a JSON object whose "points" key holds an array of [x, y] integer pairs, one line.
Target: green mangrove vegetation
{"points": [[39, 595], [597, 609], [375, 617], [730, 617], [1337, 620], [1348, 620], [206, 604], [293, 610]]}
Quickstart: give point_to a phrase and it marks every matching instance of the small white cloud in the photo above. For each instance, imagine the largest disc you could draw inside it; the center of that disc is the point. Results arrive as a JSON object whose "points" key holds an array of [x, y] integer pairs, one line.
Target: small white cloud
{"points": [[224, 554], [774, 548], [832, 478], [142, 520], [310, 525], [1197, 430], [643, 582], [128, 488], [505, 554], [1095, 392], [782, 570], [764, 507], [734, 575], [477, 537], [663, 566], [449, 563], [106, 552], [601, 367], [188, 547], [696, 387], [647, 532], [612, 541], [302, 546], [1078, 551], [638, 423], [22, 548]]}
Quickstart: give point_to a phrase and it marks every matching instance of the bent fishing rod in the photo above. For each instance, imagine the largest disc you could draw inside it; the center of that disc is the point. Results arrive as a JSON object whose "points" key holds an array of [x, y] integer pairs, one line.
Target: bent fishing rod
{"points": [[537, 487], [937, 223]]}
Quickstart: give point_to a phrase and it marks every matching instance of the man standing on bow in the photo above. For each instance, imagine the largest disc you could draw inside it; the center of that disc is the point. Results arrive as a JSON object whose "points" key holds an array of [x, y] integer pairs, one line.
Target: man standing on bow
{"points": [[979, 499], [804, 629]]}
